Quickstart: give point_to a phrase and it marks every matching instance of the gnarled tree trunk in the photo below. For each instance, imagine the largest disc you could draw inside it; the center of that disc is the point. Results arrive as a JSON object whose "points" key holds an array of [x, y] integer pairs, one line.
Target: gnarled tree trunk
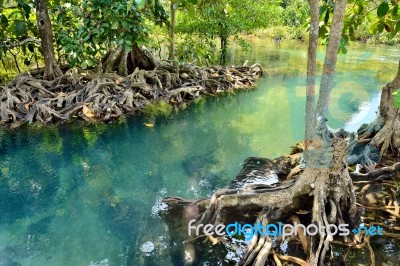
{"points": [[142, 58], [124, 62], [325, 180], [389, 135], [52, 70]]}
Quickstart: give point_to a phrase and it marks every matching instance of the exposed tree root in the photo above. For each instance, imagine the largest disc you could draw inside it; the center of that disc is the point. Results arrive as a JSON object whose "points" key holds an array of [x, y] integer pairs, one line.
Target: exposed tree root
{"points": [[108, 96], [385, 132], [329, 187], [259, 247], [384, 172]]}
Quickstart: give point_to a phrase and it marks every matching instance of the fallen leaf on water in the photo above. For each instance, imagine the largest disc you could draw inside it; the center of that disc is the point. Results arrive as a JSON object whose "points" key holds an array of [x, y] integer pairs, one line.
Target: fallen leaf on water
{"points": [[27, 106], [117, 81], [87, 112], [62, 94], [148, 125]]}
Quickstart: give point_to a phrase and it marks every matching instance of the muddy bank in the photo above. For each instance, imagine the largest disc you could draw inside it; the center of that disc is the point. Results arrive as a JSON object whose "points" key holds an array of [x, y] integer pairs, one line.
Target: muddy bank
{"points": [[105, 97]]}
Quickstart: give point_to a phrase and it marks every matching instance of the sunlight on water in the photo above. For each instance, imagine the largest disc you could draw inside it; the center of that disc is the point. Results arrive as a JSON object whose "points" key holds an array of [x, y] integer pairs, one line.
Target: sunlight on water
{"points": [[90, 195]]}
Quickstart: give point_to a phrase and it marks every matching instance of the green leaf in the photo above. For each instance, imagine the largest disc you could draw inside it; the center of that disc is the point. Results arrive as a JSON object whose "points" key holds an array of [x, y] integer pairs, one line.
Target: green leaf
{"points": [[129, 5], [383, 9], [191, 12], [18, 27], [27, 10], [323, 31], [326, 19], [31, 47], [3, 21], [397, 27], [395, 10], [381, 26], [396, 99], [140, 3], [84, 65], [322, 9], [351, 33]]}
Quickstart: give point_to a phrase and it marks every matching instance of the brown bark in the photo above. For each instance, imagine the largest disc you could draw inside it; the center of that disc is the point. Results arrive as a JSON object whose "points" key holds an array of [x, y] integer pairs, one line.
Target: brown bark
{"points": [[325, 176], [123, 64], [389, 135], [172, 32], [330, 187], [142, 59], [112, 60], [337, 174], [224, 49], [311, 73], [52, 70], [331, 58]]}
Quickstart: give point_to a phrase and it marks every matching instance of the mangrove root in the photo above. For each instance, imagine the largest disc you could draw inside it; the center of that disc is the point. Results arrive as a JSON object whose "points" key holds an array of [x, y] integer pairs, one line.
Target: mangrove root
{"points": [[108, 96]]}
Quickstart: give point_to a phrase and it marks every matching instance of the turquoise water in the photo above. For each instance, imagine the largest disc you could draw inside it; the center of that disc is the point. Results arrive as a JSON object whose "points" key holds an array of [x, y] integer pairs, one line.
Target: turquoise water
{"points": [[89, 195]]}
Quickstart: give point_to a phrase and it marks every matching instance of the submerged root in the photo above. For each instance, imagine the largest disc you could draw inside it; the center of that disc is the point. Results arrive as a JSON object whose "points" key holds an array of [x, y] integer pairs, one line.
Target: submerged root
{"points": [[329, 190], [259, 247], [109, 96]]}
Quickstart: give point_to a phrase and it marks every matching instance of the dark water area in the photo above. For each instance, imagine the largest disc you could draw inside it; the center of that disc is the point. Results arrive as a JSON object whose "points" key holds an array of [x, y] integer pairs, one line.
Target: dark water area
{"points": [[90, 194]]}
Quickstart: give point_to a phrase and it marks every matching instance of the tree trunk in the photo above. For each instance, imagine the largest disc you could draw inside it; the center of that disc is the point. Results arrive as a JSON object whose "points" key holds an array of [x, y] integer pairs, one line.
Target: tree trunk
{"points": [[112, 60], [52, 70], [172, 32], [124, 62], [334, 184], [328, 71], [389, 135], [325, 176], [311, 74], [224, 49], [142, 58]]}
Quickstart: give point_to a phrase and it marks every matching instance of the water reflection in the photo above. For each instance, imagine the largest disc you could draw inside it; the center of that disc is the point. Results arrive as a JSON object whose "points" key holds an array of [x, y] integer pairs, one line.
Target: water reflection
{"points": [[88, 195]]}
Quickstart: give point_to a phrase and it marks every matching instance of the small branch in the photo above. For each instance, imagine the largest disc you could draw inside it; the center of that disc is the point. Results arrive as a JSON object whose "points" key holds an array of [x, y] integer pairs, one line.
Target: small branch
{"points": [[20, 43], [388, 171], [293, 259]]}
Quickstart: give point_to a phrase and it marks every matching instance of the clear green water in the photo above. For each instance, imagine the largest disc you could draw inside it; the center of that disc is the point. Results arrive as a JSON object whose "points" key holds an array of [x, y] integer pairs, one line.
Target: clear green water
{"points": [[89, 195]]}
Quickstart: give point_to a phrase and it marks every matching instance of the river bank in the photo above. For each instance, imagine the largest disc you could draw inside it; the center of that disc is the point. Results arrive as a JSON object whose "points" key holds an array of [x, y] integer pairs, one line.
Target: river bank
{"points": [[106, 97]]}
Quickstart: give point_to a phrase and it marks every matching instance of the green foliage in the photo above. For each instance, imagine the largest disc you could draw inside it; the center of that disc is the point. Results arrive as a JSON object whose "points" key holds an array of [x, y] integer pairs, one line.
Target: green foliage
{"points": [[89, 29], [196, 50], [396, 98], [376, 20], [160, 108], [222, 19], [17, 26], [383, 9], [294, 14]]}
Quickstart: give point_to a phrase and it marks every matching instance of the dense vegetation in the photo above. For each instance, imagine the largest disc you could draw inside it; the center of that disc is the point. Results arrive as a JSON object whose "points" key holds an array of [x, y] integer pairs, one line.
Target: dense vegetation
{"points": [[84, 32]]}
